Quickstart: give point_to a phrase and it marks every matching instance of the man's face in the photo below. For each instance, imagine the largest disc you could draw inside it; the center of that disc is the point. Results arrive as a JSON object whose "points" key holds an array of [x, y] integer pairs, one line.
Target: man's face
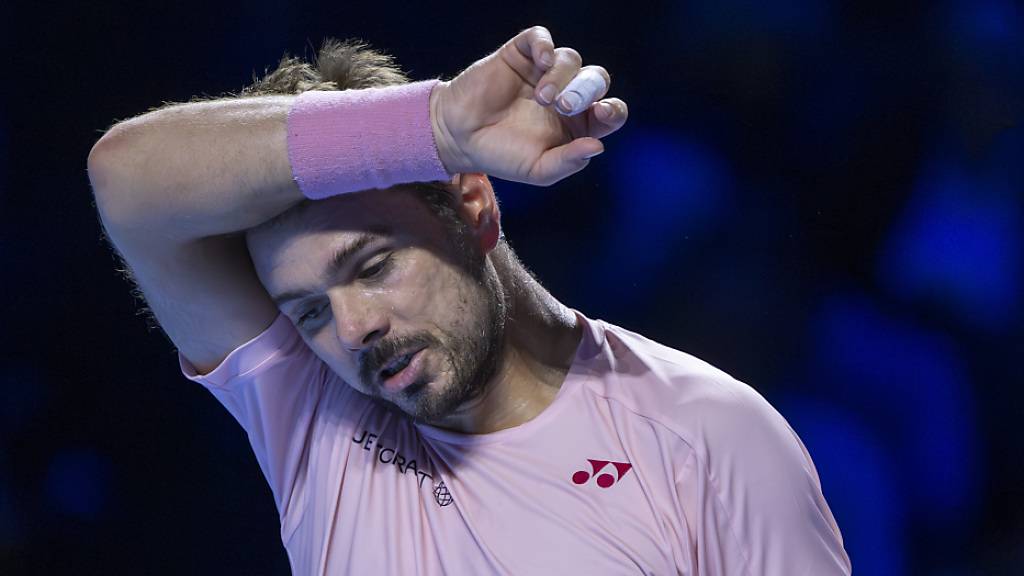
{"points": [[397, 301]]}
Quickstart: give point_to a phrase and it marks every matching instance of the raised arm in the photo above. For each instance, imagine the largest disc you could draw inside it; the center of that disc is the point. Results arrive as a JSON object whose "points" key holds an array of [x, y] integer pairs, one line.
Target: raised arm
{"points": [[176, 188], [171, 187]]}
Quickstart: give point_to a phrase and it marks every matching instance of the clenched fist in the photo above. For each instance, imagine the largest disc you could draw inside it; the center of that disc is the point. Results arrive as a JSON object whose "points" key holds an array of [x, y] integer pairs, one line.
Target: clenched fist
{"points": [[529, 112]]}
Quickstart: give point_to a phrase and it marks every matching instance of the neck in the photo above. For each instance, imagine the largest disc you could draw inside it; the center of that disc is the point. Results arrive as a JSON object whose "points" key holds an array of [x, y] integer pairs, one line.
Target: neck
{"points": [[540, 342]]}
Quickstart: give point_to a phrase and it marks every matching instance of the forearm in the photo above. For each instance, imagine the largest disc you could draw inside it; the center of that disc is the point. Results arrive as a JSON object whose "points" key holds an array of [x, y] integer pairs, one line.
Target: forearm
{"points": [[211, 168], [196, 170]]}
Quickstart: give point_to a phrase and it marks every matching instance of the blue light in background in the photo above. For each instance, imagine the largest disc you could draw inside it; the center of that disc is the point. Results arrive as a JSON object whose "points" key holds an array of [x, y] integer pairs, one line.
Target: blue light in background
{"points": [[911, 386], [666, 182], [77, 483], [980, 23], [667, 189], [959, 244], [858, 481]]}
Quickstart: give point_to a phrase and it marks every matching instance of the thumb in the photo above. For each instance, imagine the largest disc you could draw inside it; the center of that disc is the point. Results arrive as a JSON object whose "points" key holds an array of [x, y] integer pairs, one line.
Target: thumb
{"points": [[563, 161]]}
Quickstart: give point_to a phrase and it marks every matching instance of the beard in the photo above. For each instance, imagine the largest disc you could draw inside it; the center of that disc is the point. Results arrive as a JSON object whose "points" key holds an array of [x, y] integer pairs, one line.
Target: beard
{"points": [[472, 351], [472, 358]]}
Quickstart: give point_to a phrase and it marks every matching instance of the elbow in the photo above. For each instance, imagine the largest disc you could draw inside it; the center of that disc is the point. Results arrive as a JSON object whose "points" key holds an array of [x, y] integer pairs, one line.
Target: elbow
{"points": [[108, 175], [98, 163]]}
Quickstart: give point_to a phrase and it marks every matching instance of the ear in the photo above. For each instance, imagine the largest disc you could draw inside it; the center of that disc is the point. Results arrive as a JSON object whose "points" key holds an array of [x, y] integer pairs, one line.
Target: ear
{"points": [[479, 208]]}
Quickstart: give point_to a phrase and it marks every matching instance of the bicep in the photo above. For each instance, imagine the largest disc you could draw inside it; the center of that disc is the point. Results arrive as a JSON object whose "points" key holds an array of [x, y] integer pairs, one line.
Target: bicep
{"points": [[204, 293]]}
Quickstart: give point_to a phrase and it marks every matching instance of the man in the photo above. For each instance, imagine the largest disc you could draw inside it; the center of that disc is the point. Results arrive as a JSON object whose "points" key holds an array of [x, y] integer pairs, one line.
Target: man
{"points": [[330, 266]]}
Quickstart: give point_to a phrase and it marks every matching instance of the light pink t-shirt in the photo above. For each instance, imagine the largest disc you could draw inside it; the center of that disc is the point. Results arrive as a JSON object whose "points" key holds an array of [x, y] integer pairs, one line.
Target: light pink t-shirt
{"points": [[649, 461]]}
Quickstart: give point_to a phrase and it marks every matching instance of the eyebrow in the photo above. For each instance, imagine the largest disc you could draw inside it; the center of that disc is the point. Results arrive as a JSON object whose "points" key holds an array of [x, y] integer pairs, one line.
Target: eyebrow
{"points": [[338, 260]]}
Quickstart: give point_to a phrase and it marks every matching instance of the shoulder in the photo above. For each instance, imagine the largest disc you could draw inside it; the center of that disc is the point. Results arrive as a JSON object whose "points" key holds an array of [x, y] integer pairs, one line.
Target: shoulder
{"points": [[745, 480], [709, 410]]}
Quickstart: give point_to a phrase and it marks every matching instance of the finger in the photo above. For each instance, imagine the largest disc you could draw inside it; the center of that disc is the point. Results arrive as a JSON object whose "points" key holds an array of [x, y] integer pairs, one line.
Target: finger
{"points": [[551, 83], [534, 51], [606, 117], [587, 87], [563, 161]]}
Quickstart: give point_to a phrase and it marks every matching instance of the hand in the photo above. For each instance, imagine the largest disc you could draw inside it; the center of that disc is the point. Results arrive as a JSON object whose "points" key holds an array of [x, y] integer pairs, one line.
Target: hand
{"points": [[506, 115]]}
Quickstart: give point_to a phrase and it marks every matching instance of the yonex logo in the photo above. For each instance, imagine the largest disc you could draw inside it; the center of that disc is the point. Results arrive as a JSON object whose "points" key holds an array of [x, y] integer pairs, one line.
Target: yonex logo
{"points": [[605, 480]]}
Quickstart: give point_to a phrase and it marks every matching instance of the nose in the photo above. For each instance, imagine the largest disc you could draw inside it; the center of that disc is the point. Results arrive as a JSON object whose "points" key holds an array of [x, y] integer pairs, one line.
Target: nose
{"points": [[359, 320]]}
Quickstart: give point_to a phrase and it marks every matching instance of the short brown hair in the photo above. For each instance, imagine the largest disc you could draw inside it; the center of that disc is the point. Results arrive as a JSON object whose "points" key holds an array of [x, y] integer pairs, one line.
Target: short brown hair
{"points": [[338, 65]]}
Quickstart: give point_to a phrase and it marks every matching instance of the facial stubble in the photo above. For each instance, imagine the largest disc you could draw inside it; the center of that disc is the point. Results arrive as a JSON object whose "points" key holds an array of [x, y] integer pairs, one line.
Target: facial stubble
{"points": [[472, 353]]}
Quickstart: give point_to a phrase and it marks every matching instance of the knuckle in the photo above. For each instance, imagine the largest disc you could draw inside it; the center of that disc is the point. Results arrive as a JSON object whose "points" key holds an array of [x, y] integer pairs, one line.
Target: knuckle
{"points": [[538, 31], [569, 55]]}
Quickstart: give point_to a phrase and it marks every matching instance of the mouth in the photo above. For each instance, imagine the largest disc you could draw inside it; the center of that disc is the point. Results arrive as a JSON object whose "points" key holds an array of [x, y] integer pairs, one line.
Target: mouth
{"points": [[401, 370]]}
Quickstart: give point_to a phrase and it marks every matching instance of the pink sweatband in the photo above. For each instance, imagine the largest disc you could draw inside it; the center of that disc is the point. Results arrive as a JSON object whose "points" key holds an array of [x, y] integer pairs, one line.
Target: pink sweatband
{"points": [[349, 140]]}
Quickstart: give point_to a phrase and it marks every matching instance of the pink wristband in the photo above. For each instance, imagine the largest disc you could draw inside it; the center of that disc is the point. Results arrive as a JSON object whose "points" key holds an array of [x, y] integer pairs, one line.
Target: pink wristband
{"points": [[349, 140]]}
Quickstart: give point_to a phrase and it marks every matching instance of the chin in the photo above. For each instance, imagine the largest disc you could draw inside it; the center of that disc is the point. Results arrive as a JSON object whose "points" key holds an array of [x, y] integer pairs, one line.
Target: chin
{"points": [[430, 401]]}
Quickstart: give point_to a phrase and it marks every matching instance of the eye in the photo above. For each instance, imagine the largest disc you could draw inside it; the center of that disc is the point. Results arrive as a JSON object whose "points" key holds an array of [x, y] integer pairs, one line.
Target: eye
{"points": [[377, 269], [310, 315]]}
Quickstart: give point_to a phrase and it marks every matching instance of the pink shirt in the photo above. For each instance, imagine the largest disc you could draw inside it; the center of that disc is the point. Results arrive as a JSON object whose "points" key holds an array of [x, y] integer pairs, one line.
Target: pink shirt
{"points": [[648, 461]]}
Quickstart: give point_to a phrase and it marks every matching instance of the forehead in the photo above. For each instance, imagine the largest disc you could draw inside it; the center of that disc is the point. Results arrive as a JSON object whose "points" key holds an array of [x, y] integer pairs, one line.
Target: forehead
{"points": [[309, 234], [397, 207]]}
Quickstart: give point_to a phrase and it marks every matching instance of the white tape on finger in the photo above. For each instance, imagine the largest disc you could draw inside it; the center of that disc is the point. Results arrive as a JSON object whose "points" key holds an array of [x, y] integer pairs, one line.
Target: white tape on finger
{"points": [[582, 91]]}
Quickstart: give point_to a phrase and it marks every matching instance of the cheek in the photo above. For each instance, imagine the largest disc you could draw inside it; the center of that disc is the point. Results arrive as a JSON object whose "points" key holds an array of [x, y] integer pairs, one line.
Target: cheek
{"points": [[435, 291]]}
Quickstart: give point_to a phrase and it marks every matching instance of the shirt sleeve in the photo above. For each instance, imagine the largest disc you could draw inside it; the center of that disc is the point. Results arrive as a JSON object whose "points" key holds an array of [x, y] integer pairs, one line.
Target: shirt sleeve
{"points": [[751, 492], [272, 385]]}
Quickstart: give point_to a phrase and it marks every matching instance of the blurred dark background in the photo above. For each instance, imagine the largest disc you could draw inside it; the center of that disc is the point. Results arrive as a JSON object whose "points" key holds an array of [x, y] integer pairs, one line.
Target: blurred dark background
{"points": [[823, 199]]}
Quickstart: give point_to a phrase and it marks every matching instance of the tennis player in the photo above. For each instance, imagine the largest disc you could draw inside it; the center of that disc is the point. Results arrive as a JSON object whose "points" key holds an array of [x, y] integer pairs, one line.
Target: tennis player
{"points": [[325, 251]]}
